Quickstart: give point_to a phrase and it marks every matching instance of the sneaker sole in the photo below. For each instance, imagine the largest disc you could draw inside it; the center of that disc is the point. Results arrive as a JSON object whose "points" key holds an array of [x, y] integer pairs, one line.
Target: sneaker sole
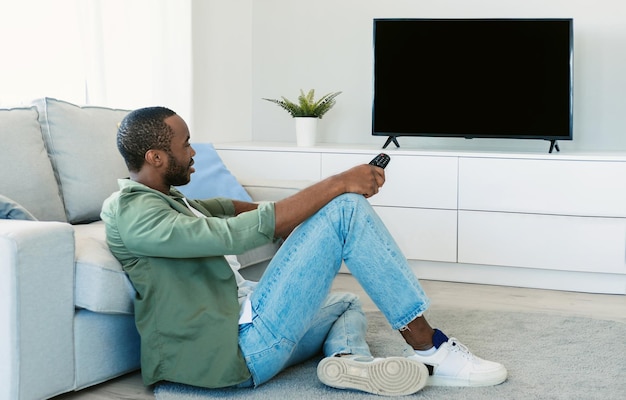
{"points": [[491, 379], [392, 376]]}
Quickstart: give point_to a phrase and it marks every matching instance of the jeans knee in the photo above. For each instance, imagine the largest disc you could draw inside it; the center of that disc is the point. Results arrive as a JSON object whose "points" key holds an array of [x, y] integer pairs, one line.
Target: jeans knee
{"points": [[353, 197], [353, 301]]}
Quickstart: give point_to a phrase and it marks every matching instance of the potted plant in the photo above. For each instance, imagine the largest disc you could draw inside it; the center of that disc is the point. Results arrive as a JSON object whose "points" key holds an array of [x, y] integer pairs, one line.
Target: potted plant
{"points": [[307, 111]]}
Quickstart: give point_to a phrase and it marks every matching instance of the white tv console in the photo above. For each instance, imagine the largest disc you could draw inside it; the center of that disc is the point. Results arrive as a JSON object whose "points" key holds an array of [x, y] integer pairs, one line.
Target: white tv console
{"points": [[552, 221]]}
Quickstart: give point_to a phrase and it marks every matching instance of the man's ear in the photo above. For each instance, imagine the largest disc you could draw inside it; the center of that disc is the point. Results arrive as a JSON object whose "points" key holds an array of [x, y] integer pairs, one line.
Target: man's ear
{"points": [[156, 158]]}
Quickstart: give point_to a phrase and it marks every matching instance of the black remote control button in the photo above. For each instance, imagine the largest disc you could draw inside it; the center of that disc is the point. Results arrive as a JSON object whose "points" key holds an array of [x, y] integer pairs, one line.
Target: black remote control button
{"points": [[381, 160]]}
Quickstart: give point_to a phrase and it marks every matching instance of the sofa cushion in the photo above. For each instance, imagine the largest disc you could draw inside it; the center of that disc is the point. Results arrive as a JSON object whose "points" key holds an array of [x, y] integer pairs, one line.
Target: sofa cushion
{"points": [[27, 176], [257, 255], [101, 284], [81, 142], [212, 178]]}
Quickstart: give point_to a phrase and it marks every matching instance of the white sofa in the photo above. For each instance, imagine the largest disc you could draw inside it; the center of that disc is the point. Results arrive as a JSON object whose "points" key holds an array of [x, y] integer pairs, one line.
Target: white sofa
{"points": [[66, 306]]}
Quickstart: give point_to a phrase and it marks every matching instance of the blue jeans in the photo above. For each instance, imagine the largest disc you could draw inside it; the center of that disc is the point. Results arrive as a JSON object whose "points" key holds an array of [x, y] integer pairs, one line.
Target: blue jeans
{"points": [[294, 317]]}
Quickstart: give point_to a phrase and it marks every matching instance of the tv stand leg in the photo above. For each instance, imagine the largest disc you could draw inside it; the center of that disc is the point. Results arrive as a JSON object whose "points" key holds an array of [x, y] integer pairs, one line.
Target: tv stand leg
{"points": [[390, 139], [554, 145]]}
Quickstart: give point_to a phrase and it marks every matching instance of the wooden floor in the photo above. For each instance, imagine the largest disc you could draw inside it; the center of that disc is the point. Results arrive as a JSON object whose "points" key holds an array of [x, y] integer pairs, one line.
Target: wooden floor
{"points": [[444, 294]]}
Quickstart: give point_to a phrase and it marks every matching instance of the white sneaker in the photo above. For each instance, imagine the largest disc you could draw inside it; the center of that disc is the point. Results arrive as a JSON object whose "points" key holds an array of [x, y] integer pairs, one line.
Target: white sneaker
{"points": [[392, 376], [454, 365]]}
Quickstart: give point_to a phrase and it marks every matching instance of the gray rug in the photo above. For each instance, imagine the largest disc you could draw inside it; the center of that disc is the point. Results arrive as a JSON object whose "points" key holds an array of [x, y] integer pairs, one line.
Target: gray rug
{"points": [[547, 356]]}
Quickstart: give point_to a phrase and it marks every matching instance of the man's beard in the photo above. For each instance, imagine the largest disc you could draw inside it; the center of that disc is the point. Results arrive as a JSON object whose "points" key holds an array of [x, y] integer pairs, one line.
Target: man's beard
{"points": [[177, 174]]}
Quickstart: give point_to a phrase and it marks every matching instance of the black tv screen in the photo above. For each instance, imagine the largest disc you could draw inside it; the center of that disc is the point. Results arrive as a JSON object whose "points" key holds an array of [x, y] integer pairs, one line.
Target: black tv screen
{"points": [[473, 78]]}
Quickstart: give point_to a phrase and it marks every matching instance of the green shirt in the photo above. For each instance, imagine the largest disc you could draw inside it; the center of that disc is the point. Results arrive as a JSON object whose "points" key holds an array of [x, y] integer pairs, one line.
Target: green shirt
{"points": [[186, 307]]}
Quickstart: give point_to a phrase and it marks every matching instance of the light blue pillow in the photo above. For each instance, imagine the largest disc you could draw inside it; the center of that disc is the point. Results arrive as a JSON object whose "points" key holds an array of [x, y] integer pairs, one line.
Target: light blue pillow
{"points": [[212, 178], [10, 209]]}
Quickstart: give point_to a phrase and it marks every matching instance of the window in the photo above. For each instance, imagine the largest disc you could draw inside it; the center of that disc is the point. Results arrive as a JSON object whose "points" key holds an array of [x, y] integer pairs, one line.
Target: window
{"points": [[115, 53]]}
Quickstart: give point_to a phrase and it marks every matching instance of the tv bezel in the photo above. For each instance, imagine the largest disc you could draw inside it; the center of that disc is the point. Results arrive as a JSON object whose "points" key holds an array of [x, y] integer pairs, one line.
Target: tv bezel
{"points": [[392, 136]]}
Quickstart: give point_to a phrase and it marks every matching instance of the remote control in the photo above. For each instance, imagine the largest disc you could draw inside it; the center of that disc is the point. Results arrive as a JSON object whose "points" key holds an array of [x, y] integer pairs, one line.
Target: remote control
{"points": [[381, 160]]}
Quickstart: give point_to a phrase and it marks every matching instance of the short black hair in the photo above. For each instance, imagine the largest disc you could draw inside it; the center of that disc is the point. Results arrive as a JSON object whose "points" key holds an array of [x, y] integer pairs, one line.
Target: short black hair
{"points": [[142, 130]]}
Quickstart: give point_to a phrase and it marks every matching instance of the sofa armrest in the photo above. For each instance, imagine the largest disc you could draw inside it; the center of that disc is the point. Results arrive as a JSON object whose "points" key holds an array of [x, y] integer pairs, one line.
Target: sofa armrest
{"points": [[273, 190], [36, 309]]}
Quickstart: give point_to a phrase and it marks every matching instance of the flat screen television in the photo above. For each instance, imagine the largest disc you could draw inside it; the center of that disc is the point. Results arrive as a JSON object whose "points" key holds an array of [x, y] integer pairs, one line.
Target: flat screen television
{"points": [[473, 78]]}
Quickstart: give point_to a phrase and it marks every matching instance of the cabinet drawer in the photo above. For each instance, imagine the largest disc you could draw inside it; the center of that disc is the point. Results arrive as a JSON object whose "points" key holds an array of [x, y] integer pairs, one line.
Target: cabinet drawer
{"points": [[265, 165], [543, 241], [591, 188], [427, 182], [422, 234]]}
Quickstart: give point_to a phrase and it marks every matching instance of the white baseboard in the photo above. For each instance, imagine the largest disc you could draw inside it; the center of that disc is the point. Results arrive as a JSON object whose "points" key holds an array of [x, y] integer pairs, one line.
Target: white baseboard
{"points": [[521, 277]]}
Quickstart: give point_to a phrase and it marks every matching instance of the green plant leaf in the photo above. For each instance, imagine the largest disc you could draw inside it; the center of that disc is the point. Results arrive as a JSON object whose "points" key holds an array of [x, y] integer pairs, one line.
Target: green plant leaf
{"points": [[306, 105]]}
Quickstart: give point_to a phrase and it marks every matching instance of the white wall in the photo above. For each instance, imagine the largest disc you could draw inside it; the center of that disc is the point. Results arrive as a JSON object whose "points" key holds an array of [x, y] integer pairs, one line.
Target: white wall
{"points": [[269, 48], [116, 53], [222, 70]]}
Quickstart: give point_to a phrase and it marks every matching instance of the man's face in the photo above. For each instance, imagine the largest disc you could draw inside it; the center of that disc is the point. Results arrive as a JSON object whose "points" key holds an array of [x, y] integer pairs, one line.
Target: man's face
{"points": [[180, 156]]}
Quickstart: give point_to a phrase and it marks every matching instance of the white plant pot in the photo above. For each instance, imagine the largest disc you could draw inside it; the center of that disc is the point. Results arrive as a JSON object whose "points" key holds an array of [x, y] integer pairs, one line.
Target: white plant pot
{"points": [[306, 131]]}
